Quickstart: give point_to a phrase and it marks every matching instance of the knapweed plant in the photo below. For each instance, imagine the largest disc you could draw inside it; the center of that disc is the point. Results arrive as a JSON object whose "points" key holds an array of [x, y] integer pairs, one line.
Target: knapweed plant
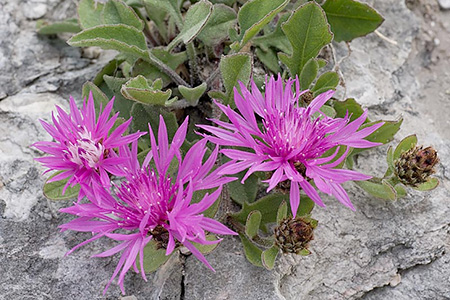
{"points": [[211, 96]]}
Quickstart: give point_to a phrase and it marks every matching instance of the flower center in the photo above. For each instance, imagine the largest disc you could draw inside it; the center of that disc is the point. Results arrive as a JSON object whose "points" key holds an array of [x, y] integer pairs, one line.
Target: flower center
{"points": [[85, 151]]}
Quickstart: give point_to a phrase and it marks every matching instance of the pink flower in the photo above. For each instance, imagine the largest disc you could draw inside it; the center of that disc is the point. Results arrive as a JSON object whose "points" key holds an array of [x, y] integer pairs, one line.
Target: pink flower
{"points": [[151, 201], [84, 146], [292, 141]]}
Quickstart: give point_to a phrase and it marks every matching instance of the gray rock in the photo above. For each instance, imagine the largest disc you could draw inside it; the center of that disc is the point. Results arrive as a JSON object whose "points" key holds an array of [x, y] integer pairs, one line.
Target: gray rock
{"points": [[444, 4]]}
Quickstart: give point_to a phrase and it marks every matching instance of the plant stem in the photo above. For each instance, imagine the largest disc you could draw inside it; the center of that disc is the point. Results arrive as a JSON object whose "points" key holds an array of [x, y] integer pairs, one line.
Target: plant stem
{"points": [[192, 61], [163, 67], [239, 228]]}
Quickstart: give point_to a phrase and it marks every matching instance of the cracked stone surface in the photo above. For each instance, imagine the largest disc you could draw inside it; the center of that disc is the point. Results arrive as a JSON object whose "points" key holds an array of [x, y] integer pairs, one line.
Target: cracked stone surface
{"points": [[384, 250]]}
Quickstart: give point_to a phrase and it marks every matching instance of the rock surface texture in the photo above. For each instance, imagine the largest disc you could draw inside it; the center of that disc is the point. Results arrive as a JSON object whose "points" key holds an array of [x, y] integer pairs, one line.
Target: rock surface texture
{"points": [[384, 250]]}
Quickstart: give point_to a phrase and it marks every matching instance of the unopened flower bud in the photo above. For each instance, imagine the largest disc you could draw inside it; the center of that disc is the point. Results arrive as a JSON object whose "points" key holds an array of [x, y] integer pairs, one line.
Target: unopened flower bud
{"points": [[415, 166], [307, 97], [294, 235]]}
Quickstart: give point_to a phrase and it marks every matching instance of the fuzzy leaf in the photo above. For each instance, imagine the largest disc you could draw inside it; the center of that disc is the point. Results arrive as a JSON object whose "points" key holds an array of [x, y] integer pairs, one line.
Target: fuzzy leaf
{"points": [[216, 30], [269, 256], [143, 114], [269, 59], [252, 224], [117, 12], [205, 249], [381, 189], [400, 191], [157, 15], [282, 211], [99, 97], [153, 257], [89, 13], [252, 252], [350, 19], [234, 68], [390, 161], [121, 104], [383, 135], [308, 31], [196, 18], [256, 14], [192, 95], [265, 206], [69, 25], [349, 105], [275, 39], [327, 81], [109, 69], [139, 89], [149, 71], [407, 143], [53, 190], [123, 38], [431, 184], [309, 73], [245, 192]]}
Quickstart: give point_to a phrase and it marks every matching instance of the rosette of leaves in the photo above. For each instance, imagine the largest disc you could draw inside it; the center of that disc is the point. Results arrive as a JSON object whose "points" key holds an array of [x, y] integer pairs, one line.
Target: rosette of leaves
{"points": [[170, 56]]}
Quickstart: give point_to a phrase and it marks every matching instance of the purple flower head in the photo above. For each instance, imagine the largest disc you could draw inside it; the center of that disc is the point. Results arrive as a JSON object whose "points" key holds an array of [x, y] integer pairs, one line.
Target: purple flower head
{"points": [[152, 203], [83, 149], [292, 141]]}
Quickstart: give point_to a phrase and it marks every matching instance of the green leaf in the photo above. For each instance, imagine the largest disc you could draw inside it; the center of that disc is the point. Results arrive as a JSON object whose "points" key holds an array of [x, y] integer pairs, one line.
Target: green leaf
{"points": [[256, 14], [196, 18], [407, 143], [308, 31], [269, 256], [383, 135], [143, 114], [153, 257], [349, 105], [69, 25], [234, 68], [121, 104], [123, 38], [350, 19], [192, 95], [431, 184], [327, 81], [252, 224], [400, 191], [265, 206], [216, 30], [217, 95], [205, 249], [304, 252], [139, 89], [99, 97], [89, 13], [309, 73], [151, 72], [282, 211], [275, 39], [381, 189], [328, 111], [117, 12], [109, 69], [252, 252], [269, 59], [53, 190], [245, 192], [390, 161], [157, 15]]}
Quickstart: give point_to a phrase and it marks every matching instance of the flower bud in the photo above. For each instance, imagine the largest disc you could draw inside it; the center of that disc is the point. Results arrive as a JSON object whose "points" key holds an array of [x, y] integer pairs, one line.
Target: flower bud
{"points": [[415, 166], [307, 97], [294, 235]]}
